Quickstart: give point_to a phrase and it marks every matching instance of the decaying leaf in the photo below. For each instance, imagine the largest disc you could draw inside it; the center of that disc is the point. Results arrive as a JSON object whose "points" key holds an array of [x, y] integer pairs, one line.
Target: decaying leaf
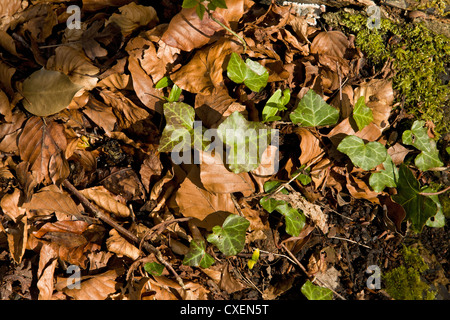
{"points": [[105, 200], [42, 144]]}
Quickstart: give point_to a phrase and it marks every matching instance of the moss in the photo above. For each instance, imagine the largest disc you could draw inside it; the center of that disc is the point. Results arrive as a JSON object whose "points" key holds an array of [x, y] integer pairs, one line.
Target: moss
{"points": [[438, 5], [419, 60], [404, 282]]}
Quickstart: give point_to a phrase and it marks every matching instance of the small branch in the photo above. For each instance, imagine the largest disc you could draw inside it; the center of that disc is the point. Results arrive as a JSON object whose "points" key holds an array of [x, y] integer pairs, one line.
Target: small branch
{"points": [[435, 193], [352, 241], [127, 234]]}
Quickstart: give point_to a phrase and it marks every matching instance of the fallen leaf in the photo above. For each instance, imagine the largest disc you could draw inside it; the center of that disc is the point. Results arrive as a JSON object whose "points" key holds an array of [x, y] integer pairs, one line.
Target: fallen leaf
{"points": [[120, 246], [125, 183], [48, 92], [42, 144], [47, 266], [105, 200], [212, 166], [133, 16]]}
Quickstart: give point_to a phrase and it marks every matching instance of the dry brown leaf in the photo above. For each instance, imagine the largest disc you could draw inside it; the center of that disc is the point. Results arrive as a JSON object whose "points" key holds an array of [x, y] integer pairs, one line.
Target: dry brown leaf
{"points": [[330, 43], [120, 246], [6, 73], [186, 31], [379, 96], [98, 287], [213, 108], [151, 169], [95, 5], [105, 200], [126, 111], [398, 153], [144, 87], [52, 199], [100, 114], [212, 167], [74, 64], [194, 201], [346, 127], [269, 164], [125, 183], [133, 16], [10, 205], [204, 72], [360, 190], [47, 266], [309, 145], [5, 107], [42, 144]]}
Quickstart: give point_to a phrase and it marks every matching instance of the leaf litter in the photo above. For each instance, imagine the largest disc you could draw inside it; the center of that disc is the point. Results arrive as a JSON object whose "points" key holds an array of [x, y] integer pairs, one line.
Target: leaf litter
{"points": [[89, 116]]}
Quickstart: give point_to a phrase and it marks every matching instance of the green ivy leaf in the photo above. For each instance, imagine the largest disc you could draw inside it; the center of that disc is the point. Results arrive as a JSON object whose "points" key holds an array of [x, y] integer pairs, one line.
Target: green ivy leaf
{"points": [[362, 114], [154, 268], [313, 111], [188, 4], [313, 292], [270, 186], [179, 126], [244, 139], [250, 72], [276, 102], [366, 156], [230, 237], [418, 208], [270, 204], [219, 4], [438, 220], [384, 178], [200, 9], [197, 255], [418, 138], [163, 82], [174, 94], [295, 220]]}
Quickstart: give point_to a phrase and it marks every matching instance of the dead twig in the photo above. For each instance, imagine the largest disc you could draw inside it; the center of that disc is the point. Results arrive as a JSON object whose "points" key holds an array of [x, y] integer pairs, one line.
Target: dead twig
{"points": [[127, 234], [435, 193]]}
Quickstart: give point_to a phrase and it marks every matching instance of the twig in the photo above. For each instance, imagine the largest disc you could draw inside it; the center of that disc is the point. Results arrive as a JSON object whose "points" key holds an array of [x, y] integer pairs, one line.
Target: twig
{"points": [[244, 44], [435, 193], [97, 213], [307, 274], [352, 241]]}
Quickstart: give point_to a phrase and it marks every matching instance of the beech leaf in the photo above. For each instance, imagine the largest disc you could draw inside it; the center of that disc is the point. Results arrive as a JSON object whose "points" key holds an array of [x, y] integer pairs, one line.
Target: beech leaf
{"points": [[197, 255], [230, 237], [418, 208], [313, 111], [366, 156], [48, 92]]}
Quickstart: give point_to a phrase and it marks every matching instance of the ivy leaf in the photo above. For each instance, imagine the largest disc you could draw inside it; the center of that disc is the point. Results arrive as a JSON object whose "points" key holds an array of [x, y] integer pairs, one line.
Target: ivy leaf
{"points": [[197, 255], [174, 94], [219, 4], [418, 138], [276, 102], [313, 111], [362, 114], [250, 72], [366, 156], [438, 220], [164, 82], [270, 204], [246, 140], [384, 178], [295, 220], [313, 292], [179, 126], [418, 208], [230, 237], [187, 4], [270, 186], [154, 268]]}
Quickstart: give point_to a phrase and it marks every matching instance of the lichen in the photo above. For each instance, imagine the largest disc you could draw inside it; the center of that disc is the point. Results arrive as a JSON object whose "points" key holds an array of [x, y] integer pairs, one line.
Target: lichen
{"points": [[405, 282], [419, 57]]}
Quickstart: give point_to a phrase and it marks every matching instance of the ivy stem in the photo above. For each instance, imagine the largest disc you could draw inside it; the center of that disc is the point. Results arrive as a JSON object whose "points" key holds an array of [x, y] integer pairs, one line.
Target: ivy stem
{"points": [[244, 44], [434, 193]]}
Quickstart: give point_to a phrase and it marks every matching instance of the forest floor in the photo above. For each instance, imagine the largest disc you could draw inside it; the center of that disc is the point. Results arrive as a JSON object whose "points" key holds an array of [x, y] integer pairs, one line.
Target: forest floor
{"points": [[90, 190]]}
